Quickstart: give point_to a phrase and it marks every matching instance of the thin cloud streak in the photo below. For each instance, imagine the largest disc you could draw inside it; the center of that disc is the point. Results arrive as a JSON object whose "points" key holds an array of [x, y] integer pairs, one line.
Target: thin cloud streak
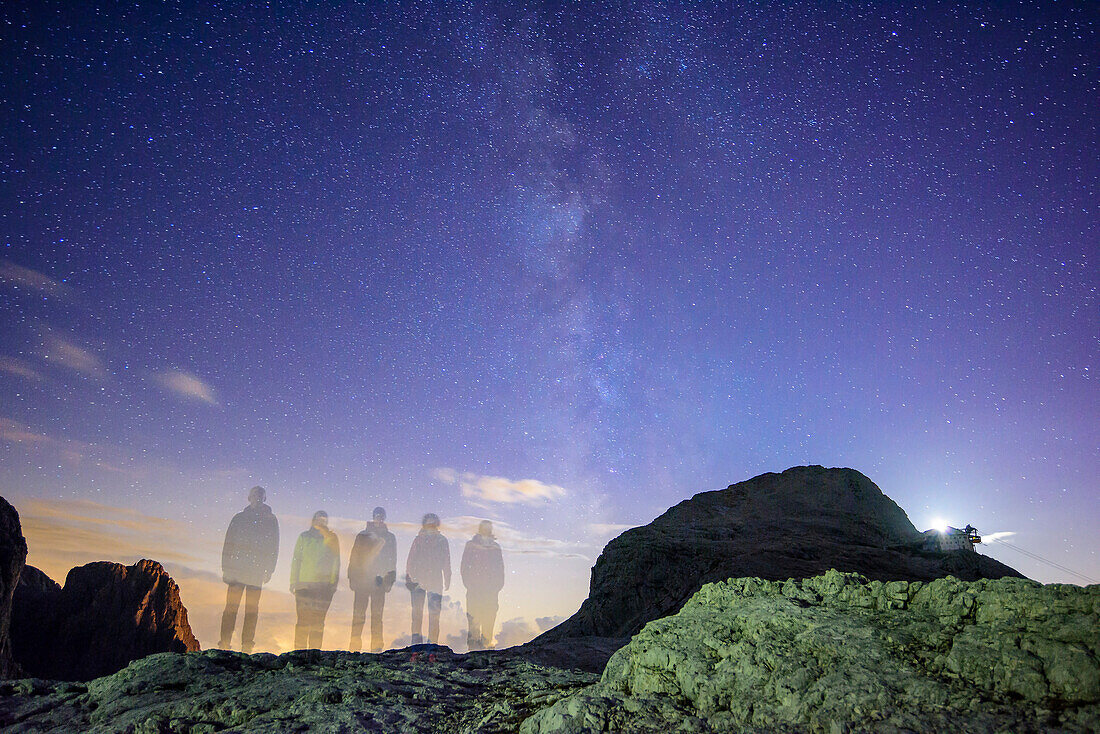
{"points": [[62, 352], [187, 385], [21, 277], [18, 368], [15, 432]]}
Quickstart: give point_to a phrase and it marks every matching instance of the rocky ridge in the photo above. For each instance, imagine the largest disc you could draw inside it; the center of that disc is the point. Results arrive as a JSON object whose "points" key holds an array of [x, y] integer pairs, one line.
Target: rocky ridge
{"points": [[104, 617], [795, 524], [841, 653]]}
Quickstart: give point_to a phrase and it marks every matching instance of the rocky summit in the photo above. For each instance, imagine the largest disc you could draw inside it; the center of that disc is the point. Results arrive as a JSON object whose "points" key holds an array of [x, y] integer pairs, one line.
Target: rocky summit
{"points": [[795, 524], [832, 653]]}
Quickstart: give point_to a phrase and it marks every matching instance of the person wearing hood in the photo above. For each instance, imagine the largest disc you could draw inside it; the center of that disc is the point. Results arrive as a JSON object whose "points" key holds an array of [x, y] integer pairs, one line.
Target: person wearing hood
{"points": [[372, 570], [314, 571], [427, 576], [482, 573], [249, 554]]}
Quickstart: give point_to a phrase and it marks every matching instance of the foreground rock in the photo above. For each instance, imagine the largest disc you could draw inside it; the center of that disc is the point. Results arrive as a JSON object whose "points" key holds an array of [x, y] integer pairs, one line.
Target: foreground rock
{"points": [[796, 524], [105, 616], [13, 554], [305, 690], [839, 653]]}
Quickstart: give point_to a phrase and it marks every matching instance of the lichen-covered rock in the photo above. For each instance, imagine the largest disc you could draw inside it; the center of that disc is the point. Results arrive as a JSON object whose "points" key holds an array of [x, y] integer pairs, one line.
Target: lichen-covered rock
{"points": [[840, 653], [422, 689], [13, 554], [105, 616], [795, 524]]}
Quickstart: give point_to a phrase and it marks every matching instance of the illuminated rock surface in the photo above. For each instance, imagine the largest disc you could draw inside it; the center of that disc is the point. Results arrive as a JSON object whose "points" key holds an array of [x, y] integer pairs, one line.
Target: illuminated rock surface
{"points": [[836, 653], [794, 524]]}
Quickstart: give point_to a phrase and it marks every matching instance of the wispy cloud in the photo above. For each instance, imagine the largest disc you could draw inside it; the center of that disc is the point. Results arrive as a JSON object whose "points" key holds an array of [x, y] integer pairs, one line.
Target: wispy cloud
{"points": [[19, 368], [63, 352], [21, 277], [187, 385], [14, 432], [994, 537], [483, 488]]}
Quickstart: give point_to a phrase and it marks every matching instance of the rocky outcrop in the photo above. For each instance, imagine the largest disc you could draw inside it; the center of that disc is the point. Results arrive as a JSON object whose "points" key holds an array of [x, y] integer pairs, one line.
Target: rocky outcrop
{"points": [[34, 607], [105, 616], [841, 653], [13, 554], [421, 689], [795, 524]]}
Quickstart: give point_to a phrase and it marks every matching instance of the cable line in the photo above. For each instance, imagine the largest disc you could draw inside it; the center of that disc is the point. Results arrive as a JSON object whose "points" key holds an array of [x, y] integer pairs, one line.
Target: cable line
{"points": [[1043, 560]]}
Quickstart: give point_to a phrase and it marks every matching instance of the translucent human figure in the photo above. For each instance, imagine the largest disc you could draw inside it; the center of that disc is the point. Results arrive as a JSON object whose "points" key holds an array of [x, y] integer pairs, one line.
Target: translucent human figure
{"points": [[314, 571], [482, 571], [427, 576], [249, 554], [372, 569]]}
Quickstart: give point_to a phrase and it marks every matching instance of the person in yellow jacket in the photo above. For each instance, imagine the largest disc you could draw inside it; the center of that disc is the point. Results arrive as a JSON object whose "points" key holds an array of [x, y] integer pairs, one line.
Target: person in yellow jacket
{"points": [[314, 571]]}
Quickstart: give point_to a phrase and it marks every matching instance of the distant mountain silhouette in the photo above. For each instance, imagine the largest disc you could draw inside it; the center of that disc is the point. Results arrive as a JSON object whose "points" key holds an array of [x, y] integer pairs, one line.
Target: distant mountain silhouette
{"points": [[796, 524]]}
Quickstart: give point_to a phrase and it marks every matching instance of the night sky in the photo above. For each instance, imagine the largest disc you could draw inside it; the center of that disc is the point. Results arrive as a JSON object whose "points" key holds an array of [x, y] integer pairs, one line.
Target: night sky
{"points": [[561, 266]]}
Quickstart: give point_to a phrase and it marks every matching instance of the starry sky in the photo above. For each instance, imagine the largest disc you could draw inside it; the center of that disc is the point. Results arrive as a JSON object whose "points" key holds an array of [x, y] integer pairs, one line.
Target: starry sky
{"points": [[559, 265]]}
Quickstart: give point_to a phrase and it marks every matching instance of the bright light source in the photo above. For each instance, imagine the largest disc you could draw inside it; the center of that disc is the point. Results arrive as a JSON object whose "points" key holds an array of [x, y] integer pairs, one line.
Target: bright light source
{"points": [[940, 524]]}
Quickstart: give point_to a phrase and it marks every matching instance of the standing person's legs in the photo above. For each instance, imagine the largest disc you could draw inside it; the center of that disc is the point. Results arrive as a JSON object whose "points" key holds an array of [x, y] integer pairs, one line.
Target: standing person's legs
{"points": [[489, 620], [321, 603], [251, 611], [377, 604], [482, 614], [301, 627], [358, 616], [229, 614], [417, 593], [435, 603], [473, 623]]}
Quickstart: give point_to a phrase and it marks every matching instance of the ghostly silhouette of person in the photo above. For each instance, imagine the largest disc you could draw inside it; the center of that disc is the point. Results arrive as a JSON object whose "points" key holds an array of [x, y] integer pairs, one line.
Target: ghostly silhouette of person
{"points": [[482, 571], [249, 554], [314, 571], [372, 569], [427, 576]]}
